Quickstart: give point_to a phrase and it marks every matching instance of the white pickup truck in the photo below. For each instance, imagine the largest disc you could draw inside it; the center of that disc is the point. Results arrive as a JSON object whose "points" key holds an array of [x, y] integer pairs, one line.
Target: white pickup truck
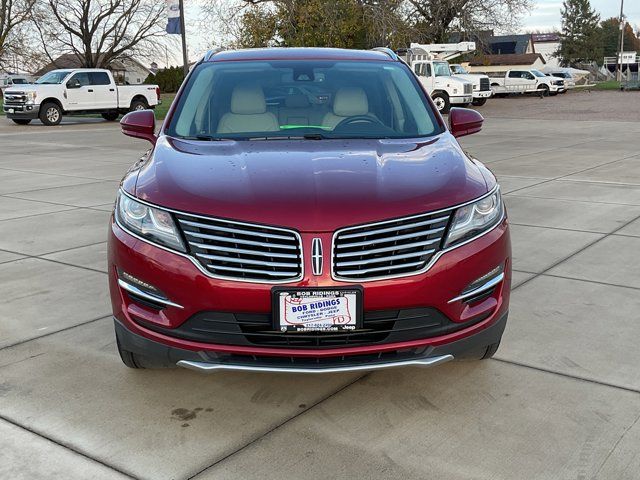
{"points": [[525, 81], [74, 92], [481, 84], [445, 90]]}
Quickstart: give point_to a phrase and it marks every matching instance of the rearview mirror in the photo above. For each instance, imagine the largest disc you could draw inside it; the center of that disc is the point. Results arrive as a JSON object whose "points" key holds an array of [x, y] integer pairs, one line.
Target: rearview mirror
{"points": [[140, 124], [464, 121]]}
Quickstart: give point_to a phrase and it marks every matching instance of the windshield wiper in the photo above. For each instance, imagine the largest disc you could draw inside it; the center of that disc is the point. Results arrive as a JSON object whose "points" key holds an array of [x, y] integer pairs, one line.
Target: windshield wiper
{"points": [[315, 136], [210, 138], [306, 136]]}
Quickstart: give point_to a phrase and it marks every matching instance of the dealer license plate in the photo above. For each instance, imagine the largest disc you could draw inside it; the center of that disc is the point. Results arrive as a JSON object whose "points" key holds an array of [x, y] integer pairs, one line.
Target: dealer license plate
{"points": [[317, 310]]}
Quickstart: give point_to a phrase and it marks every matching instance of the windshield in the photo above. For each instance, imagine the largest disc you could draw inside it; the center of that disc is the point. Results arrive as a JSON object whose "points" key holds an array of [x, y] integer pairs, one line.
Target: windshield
{"points": [[537, 73], [459, 69], [19, 81], [312, 99], [441, 69], [53, 78]]}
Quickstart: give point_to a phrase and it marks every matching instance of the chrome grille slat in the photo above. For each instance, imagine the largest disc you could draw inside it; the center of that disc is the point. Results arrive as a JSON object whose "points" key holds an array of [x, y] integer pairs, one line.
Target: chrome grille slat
{"points": [[381, 269], [243, 251], [395, 229], [391, 239], [261, 272], [232, 230], [385, 259], [246, 260], [388, 249], [239, 240], [204, 246]]}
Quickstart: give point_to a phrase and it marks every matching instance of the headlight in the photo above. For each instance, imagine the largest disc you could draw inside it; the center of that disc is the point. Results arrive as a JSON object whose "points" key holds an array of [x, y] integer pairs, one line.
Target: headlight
{"points": [[151, 223], [473, 219], [31, 97]]}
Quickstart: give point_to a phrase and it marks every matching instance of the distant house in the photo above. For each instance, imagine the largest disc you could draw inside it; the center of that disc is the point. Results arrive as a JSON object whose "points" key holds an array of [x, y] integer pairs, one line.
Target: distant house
{"points": [[546, 44], [502, 63], [510, 44], [125, 70]]}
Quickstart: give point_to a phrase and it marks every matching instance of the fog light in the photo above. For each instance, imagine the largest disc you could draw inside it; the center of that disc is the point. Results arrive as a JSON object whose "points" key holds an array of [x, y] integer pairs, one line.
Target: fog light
{"points": [[481, 287], [144, 292]]}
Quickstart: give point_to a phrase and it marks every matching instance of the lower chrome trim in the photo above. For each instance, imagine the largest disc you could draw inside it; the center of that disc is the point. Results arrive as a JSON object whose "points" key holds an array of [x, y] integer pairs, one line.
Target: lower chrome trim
{"points": [[210, 367], [482, 288], [140, 293]]}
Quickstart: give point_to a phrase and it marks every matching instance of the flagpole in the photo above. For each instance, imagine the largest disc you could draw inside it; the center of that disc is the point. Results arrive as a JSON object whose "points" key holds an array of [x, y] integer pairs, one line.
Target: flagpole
{"points": [[185, 56]]}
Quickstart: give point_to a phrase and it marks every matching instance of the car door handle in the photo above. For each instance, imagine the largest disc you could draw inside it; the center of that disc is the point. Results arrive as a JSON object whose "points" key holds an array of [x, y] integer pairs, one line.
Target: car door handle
{"points": [[112, 89], [90, 90]]}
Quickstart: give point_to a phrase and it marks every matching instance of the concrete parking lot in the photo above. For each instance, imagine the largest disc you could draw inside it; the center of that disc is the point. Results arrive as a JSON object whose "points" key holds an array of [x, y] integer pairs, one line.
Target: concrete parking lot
{"points": [[561, 400]]}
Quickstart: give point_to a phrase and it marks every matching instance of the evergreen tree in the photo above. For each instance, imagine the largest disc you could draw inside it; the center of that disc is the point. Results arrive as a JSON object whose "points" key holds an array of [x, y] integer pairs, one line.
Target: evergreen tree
{"points": [[581, 34], [611, 37]]}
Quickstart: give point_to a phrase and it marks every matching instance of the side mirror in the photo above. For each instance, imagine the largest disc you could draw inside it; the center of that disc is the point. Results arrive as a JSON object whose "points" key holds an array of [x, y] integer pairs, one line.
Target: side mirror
{"points": [[73, 83], [464, 121], [140, 124]]}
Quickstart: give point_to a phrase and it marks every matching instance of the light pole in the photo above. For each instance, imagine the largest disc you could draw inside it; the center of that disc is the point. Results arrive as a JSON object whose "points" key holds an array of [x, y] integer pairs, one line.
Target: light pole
{"points": [[619, 65], [185, 55]]}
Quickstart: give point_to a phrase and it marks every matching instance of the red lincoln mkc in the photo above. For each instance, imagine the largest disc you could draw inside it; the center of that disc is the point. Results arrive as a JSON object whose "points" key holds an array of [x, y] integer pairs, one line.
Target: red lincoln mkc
{"points": [[306, 210]]}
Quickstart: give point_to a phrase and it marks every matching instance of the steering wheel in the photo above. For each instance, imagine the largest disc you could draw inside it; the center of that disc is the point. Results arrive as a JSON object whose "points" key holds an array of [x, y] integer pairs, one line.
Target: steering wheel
{"points": [[359, 119]]}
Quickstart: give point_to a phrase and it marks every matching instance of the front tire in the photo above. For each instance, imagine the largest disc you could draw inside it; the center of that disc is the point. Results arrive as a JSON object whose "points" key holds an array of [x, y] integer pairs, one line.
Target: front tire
{"points": [[21, 121], [50, 114], [544, 91], [491, 350], [441, 101], [130, 359], [110, 116], [478, 102]]}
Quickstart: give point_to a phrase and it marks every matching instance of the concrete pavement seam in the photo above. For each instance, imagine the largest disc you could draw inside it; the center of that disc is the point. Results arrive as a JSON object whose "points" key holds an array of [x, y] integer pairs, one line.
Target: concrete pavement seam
{"points": [[568, 375], [577, 252], [22, 342], [67, 447]]}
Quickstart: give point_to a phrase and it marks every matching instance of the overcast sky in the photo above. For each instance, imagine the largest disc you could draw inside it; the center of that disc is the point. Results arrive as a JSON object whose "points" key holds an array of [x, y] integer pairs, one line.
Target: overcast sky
{"points": [[546, 13]]}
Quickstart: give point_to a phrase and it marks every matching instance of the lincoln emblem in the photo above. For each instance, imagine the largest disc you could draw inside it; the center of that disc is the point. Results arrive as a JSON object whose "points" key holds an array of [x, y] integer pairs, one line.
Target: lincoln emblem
{"points": [[316, 256]]}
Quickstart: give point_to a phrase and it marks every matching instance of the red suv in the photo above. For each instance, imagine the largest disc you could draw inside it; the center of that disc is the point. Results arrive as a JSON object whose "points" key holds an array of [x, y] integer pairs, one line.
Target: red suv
{"points": [[306, 210]]}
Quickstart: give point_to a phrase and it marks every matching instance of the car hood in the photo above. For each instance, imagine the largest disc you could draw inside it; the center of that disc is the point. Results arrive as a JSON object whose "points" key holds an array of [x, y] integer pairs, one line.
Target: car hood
{"points": [[309, 185]]}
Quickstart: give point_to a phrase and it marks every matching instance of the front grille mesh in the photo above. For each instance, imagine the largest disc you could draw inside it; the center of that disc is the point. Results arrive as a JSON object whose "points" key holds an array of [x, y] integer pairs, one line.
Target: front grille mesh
{"points": [[243, 251], [468, 88], [396, 247], [484, 84]]}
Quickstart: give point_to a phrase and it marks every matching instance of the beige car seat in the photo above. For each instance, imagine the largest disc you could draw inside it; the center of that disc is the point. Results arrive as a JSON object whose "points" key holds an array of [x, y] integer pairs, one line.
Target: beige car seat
{"points": [[248, 112], [348, 102]]}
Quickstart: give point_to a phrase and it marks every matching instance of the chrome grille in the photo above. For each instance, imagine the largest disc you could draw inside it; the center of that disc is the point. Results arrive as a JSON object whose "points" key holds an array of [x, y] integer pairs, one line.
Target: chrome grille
{"points": [[388, 249], [242, 251], [468, 88], [15, 97], [484, 84]]}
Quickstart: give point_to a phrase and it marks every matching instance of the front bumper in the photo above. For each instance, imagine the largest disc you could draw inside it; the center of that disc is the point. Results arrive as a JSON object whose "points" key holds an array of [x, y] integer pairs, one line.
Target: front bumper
{"points": [[193, 292], [210, 362], [482, 94], [462, 99], [21, 111]]}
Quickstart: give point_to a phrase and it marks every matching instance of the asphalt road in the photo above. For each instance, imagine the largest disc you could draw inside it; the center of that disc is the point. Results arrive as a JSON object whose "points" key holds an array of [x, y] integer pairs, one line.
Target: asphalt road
{"points": [[561, 400]]}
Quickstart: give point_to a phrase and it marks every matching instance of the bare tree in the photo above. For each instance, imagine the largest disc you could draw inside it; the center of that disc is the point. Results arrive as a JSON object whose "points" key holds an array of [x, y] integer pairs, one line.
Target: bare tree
{"points": [[99, 31], [13, 16], [433, 20]]}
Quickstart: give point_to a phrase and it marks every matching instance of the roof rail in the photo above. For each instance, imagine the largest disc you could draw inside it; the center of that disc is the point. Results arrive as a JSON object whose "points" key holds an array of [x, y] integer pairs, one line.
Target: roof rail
{"points": [[386, 50], [211, 53]]}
